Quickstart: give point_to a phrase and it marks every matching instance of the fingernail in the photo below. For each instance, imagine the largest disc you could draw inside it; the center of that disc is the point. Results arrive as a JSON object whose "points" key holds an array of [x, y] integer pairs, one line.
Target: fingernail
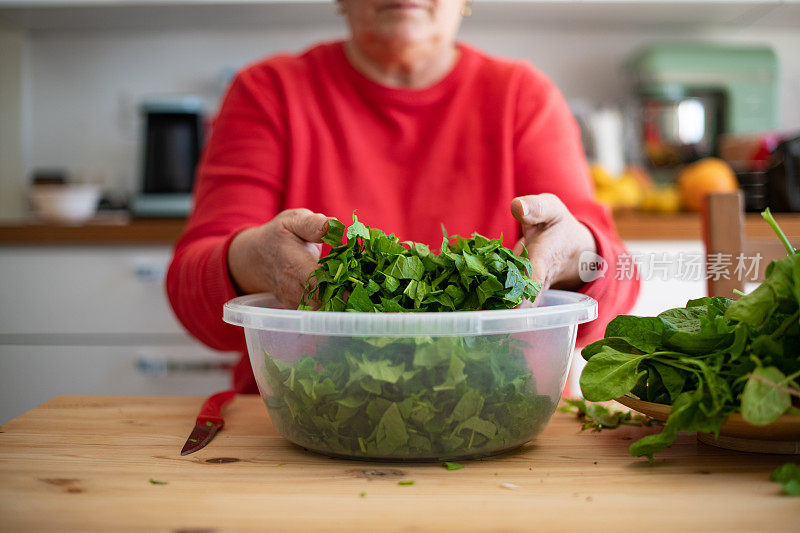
{"points": [[524, 206]]}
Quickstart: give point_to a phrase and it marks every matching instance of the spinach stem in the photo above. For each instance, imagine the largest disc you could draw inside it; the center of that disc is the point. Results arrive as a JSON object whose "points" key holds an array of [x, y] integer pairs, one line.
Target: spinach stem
{"points": [[776, 386], [790, 377], [666, 353], [785, 325], [674, 364], [782, 236]]}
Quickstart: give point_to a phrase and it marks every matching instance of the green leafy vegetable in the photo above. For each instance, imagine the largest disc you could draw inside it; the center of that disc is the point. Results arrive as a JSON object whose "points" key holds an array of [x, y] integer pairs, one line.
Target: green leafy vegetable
{"points": [[157, 482], [452, 466], [707, 360], [599, 417], [369, 271], [788, 475], [407, 482], [410, 397], [763, 401], [611, 374], [407, 397]]}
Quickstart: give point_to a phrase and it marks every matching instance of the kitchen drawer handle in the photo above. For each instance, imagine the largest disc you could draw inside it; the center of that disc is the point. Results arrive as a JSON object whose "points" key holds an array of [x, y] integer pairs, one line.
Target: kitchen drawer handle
{"points": [[161, 367], [150, 273]]}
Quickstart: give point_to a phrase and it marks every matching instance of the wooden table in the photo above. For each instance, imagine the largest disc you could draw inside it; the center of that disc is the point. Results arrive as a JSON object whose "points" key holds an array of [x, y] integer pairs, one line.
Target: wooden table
{"points": [[84, 463]]}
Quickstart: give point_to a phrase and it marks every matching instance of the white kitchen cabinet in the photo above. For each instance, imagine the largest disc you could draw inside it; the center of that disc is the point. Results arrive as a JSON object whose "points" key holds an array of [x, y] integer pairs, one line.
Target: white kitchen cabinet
{"points": [[85, 290], [33, 374], [95, 320], [659, 292]]}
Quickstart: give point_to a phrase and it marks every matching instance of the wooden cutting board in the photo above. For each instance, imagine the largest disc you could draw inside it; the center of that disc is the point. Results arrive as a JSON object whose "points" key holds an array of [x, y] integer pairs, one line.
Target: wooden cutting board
{"points": [[84, 463]]}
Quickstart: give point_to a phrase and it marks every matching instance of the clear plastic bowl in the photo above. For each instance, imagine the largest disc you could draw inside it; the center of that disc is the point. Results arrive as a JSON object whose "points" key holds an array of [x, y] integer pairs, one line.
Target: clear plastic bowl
{"points": [[411, 386]]}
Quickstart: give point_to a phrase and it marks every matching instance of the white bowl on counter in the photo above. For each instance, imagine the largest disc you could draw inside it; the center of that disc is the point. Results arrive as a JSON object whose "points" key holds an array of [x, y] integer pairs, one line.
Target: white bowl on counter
{"points": [[65, 204]]}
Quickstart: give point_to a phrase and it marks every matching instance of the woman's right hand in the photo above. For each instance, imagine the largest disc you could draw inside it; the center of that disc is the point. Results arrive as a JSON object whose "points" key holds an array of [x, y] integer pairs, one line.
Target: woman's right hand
{"points": [[279, 256]]}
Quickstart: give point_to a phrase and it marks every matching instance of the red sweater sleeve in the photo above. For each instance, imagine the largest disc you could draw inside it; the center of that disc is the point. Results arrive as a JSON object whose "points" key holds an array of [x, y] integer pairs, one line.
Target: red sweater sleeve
{"points": [[549, 158], [239, 184]]}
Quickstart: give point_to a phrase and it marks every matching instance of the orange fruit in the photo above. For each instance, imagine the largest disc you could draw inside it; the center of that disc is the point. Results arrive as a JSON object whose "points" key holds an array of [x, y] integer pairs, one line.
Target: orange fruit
{"points": [[661, 200], [628, 192], [640, 175], [601, 176], [606, 197], [703, 177]]}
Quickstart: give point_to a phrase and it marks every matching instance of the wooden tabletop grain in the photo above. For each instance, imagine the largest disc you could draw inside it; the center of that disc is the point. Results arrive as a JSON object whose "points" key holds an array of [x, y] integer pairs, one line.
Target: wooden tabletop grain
{"points": [[84, 463]]}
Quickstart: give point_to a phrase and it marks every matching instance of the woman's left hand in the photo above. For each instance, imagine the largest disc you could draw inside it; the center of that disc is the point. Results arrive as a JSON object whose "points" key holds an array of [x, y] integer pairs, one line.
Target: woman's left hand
{"points": [[554, 239]]}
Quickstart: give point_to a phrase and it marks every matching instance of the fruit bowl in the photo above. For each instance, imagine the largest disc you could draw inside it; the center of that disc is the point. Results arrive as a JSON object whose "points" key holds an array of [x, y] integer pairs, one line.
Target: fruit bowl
{"points": [[411, 386]]}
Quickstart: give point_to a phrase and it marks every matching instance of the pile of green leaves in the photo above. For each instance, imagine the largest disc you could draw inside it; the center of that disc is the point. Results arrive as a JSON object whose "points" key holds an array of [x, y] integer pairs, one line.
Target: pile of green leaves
{"points": [[710, 359], [598, 417], [407, 398], [375, 272], [410, 397]]}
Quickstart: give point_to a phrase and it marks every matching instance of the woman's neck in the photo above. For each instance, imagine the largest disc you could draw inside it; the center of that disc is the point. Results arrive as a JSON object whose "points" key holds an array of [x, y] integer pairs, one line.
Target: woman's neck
{"points": [[410, 68]]}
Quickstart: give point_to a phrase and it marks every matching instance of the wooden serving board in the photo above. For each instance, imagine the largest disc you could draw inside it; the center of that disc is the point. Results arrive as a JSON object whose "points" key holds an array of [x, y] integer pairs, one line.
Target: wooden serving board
{"points": [[83, 463], [782, 436]]}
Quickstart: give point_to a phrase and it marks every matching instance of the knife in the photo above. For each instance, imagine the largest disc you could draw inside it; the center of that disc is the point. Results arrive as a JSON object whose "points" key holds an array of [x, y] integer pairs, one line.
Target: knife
{"points": [[209, 421]]}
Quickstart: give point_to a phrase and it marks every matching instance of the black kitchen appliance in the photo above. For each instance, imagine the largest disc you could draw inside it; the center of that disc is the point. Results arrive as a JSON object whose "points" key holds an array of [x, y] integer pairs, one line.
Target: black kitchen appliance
{"points": [[173, 140], [783, 174]]}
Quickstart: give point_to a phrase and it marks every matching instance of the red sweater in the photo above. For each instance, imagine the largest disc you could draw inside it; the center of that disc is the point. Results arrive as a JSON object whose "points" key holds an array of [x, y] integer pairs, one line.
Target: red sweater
{"points": [[311, 131]]}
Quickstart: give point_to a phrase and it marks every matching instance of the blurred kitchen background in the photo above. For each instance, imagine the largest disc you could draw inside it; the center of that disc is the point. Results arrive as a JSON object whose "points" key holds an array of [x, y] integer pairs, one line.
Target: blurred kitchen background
{"points": [[104, 105]]}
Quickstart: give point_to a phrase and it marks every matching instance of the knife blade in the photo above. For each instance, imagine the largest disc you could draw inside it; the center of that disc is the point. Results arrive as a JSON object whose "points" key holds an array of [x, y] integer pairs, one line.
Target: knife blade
{"points": [[208, 422]]}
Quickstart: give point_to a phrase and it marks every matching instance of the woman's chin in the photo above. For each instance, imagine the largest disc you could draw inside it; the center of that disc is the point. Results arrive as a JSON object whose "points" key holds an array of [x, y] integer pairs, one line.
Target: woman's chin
{"points": [[399, 36]]}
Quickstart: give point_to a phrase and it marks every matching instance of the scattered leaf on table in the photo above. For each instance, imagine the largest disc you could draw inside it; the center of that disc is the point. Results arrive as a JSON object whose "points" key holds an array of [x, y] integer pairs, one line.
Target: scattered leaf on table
{"points": [[788, 475]]}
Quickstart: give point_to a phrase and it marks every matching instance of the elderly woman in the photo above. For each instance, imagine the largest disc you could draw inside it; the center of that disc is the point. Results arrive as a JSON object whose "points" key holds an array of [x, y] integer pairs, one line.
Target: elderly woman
{"points": [[412, 129]]}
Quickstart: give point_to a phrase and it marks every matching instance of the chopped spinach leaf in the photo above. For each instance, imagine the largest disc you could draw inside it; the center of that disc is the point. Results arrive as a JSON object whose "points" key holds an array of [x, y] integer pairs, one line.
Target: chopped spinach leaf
{"points": [[599, 417], [788, 475], [410, 397], [407, 397], [369, 271]]}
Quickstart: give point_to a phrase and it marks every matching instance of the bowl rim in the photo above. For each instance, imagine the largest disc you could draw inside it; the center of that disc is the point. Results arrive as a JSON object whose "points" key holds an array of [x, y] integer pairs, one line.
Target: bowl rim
{"points": [[70, 189], [558, 309]]}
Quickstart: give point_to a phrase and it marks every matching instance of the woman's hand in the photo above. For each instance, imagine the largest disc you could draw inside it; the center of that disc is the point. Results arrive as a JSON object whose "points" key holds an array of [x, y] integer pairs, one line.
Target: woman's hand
{"points": [[279, 256], [554, 239]]}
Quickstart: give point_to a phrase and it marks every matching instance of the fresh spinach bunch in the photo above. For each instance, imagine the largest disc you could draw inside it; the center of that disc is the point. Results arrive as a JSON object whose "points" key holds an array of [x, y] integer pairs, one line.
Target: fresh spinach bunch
{"points": [[373, 272], [710, 359], [407, 398]]}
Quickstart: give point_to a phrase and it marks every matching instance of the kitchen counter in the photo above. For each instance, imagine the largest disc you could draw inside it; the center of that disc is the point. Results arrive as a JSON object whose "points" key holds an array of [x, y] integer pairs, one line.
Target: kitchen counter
{"points": [[123, 231], [84, 463], [109, 230]]}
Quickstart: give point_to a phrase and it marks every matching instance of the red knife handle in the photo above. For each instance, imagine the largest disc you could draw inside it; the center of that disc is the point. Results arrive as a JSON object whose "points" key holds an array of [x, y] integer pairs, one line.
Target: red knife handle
{"points": [[212, 408]]}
